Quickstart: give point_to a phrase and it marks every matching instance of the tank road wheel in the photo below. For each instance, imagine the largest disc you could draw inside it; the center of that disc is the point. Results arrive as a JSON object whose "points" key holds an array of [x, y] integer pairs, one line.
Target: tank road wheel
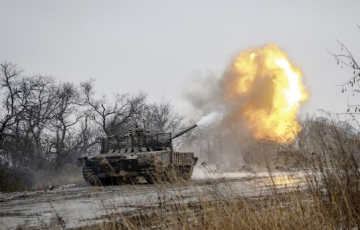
{"points": [[126, 180], [121, 180], [151, 176], [131, 180], [115, 181], [90, 177]]}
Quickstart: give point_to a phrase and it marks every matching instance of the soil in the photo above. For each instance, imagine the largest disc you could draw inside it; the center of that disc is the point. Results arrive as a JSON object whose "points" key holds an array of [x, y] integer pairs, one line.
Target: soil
{"points": [[77, 205]]}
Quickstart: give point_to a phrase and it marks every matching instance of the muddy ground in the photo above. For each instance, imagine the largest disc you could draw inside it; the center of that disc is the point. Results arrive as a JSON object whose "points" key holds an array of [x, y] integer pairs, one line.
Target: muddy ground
{"points": [[75, 205]]}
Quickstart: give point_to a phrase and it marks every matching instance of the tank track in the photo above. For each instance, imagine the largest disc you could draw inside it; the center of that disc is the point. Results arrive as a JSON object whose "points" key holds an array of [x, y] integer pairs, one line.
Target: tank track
{"points": [[151, 176], [149, 173], [93, 180], [90, 176], [185, 172]]}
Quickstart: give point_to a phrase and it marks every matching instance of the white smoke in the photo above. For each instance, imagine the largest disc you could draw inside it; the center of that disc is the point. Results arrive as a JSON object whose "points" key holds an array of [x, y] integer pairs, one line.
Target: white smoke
{"points": [[213, 117]]}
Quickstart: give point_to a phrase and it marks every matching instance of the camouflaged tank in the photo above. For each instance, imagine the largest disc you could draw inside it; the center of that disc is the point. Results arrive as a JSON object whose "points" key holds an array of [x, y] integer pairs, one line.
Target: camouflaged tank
{"points": [[138, 154]]}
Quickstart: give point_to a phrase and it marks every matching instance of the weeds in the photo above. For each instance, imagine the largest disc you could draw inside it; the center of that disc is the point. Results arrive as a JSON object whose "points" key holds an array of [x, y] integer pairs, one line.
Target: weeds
{"points": [[15, 179], [320, 190], [326, 154]]}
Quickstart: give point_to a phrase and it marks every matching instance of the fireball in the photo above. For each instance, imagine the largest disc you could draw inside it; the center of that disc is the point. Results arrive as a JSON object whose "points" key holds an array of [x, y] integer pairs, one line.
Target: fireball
{"points": [[267, 91]]}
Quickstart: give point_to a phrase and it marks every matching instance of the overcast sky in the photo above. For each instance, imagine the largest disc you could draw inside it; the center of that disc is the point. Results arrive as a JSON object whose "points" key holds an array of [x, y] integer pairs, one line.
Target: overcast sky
{"points": [[158, 47]]}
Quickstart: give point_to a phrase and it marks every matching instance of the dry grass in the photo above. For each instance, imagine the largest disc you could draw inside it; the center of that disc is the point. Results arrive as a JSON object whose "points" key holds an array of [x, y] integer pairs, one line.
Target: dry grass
{"points": [[326, 154], [213, 209]]}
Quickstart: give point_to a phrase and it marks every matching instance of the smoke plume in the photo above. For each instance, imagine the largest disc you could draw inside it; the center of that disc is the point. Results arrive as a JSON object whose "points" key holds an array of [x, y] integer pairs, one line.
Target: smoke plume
{"points": [[256, 98]]}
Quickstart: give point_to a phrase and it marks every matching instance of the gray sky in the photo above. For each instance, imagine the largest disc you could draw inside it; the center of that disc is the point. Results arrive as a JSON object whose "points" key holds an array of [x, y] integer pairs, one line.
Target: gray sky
{"points": [[159, 46]]}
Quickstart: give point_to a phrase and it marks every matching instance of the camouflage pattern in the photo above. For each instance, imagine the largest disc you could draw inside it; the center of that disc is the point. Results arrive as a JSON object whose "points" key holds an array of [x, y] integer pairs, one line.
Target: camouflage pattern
{"points": [[138, 154]]}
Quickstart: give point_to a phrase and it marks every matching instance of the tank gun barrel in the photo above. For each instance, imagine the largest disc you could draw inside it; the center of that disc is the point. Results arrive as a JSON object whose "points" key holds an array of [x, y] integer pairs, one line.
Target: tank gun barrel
{"points": [[184, 131]]}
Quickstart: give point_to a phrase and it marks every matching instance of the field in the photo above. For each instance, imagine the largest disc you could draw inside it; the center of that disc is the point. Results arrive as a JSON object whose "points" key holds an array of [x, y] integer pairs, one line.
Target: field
{"points": [[312, 183], [80, 205]]}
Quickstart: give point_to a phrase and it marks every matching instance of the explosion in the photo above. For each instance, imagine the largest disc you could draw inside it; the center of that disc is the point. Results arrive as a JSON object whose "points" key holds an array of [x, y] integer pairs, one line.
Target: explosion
{"points": [[265, 89]]}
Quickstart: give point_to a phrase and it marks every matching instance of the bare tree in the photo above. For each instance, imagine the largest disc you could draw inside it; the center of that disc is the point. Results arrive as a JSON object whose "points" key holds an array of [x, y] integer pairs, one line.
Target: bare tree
{"points": [[160, 117], [111, 116], [45, 124], [347, 59], [12, 102], [41, 121]]}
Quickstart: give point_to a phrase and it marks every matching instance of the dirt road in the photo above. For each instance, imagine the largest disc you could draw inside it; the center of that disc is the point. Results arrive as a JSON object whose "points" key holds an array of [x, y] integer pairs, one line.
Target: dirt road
{"points": [[75, 205]]}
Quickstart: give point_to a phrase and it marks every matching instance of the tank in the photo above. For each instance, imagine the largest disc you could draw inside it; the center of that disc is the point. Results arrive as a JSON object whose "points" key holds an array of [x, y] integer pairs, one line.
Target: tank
{"points": [[138, 154]]}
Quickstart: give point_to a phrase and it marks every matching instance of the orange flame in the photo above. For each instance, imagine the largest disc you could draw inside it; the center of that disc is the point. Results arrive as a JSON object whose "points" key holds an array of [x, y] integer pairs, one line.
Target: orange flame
{"points": [[270, 89]]}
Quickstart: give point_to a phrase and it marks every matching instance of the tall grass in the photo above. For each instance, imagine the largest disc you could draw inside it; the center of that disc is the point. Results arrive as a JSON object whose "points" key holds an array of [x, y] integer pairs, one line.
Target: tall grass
{"points": [[218, 209], [322, 191], [326, 155]]}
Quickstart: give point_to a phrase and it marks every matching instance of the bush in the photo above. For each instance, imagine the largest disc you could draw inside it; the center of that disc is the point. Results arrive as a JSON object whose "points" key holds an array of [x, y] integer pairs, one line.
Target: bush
{"points": [[12, 179]]}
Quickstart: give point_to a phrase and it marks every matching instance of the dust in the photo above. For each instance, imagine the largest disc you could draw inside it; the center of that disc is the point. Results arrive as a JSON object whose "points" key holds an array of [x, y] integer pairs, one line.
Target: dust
{"points": [[68, 174]]}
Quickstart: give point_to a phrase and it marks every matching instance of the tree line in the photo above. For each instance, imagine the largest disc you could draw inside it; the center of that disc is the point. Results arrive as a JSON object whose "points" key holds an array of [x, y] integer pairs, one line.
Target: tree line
{"points": [[45, 123]]}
